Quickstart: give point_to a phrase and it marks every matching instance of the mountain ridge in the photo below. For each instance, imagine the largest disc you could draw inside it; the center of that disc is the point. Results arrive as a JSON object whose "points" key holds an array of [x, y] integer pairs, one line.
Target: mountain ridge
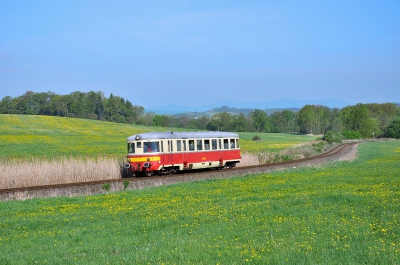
{"points": [[171, 109]]}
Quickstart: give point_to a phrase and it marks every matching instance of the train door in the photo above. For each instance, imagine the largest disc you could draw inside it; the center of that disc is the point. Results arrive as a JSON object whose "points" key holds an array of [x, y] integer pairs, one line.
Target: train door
{"points": [[185, 155], [170, 151], [181, 155], [220, 152]]}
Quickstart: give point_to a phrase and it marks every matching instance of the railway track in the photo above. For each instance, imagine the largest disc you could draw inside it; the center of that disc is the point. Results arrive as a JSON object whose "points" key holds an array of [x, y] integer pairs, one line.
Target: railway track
{"points": [[137, 183]]}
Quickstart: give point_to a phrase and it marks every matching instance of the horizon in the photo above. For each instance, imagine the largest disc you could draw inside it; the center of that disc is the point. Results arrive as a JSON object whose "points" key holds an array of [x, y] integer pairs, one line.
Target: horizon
{"points": [[185, 53]]}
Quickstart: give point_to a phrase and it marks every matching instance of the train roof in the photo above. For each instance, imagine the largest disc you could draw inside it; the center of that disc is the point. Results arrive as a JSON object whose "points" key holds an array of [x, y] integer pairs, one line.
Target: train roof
{"points": [[180, 135]]}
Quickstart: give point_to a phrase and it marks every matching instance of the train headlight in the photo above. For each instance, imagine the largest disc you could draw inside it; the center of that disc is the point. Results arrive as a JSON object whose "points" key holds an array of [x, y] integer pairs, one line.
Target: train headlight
{"points": [[137, 137]]}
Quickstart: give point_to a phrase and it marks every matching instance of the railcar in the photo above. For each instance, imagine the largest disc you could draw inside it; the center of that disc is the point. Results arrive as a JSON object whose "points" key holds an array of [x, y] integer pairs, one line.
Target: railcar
{"points": [[170, 152]]}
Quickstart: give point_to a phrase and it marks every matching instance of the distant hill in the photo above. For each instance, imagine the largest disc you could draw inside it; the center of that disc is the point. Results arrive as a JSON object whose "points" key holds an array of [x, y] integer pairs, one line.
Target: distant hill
{"points": [[274, 105]]}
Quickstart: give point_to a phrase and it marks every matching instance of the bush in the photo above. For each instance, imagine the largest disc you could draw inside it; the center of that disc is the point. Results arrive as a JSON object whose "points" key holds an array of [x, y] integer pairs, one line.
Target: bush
{"points": [[106, 186], [352, 134], [393, 130], [318, 147], [333, 137], [256, 138]]}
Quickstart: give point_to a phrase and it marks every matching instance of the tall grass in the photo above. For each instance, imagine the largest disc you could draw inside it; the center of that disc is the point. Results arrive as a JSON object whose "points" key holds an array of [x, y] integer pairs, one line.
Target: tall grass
{"points": [[15, 173]]}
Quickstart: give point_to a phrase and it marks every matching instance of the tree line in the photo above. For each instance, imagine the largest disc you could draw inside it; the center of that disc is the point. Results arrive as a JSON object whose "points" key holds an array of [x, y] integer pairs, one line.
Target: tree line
{"points": [[360, 120]]}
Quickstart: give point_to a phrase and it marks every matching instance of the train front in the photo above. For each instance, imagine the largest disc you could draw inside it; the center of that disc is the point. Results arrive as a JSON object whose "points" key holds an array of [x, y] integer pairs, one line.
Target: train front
{"points": [[143, 156]]}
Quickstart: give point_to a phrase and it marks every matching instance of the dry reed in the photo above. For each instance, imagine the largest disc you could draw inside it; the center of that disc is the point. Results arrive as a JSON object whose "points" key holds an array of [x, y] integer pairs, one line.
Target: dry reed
{"points": [[16, 174]]}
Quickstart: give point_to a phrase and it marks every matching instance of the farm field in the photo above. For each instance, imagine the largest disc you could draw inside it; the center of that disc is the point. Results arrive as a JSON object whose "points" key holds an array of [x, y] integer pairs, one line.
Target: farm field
{"points": [[47, 136], [342, 213]]}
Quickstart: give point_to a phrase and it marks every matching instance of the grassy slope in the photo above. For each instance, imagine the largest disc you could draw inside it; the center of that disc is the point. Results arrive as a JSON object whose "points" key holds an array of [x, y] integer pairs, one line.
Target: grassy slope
{"points": [[344, 213], [24, 135]]}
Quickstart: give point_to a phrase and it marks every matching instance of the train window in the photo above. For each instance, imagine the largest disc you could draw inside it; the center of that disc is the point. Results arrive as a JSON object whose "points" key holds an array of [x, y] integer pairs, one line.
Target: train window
{"points": [[139, 144], [232, 143], [162, 146], [199, 144], [184, 145], [214, 144], [226, 145], [237, 143], [206, 144], [178, 145], [219, 144], [149, 147], [191, 145], [131, 147]]}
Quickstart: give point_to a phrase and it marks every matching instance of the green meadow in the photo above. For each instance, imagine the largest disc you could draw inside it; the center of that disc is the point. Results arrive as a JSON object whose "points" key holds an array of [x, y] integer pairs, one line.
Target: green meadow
{"points": [[48, 136], [339, 213]]}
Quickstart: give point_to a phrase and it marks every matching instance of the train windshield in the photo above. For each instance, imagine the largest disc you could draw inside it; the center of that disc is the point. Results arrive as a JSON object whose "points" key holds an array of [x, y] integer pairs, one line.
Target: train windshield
{"points": [[131, 148], [150, 147]]}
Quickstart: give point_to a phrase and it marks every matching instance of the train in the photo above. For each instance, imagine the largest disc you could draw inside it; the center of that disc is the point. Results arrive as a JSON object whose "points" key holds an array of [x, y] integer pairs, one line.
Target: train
{"points": [[157, 153]]}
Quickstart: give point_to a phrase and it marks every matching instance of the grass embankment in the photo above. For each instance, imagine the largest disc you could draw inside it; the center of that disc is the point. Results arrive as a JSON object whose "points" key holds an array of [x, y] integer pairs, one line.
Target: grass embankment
{"points": [[43, 150], [344, 213]]}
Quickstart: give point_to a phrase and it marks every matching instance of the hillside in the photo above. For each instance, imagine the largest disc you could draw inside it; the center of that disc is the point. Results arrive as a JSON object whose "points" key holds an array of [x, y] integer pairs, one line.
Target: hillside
{"points": [[22, 135], [39, 136]]}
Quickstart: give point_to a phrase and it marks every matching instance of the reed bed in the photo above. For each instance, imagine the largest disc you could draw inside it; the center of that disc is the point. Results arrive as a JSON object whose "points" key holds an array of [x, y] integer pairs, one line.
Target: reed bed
{"points": [[15, 173]]}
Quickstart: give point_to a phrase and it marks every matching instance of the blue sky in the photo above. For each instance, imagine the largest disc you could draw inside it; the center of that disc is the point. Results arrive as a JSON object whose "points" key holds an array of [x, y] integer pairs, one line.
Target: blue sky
{"points": [[192, 53]]}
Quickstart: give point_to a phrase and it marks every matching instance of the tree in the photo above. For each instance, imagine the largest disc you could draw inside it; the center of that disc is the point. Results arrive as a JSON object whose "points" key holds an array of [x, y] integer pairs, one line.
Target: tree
{"points": [[260, 121], [59, 105], [289, 119], [241, 123], [393, 130], [6, 105], [305, 119], [222, 121], [356, 118], [137, 113]]}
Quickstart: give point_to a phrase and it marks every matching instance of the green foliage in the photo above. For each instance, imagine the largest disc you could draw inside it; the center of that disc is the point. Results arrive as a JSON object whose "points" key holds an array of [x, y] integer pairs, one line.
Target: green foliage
{"points": [[393, 130], [260, 121], [90, 105], [318, 147], [342, 213], [106, 186], [310, 119], [126, 184], [357, 118], [333, 137], [313, 119], [256, 138], [351, 134]]}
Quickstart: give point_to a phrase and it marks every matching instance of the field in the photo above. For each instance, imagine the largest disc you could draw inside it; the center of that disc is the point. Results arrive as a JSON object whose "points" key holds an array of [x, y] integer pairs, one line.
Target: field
{"points": [[46, 136], [44, 150], [342, 213]]}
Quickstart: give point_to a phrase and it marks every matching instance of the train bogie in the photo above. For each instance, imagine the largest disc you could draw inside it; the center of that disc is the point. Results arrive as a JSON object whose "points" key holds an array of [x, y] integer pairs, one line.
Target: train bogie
{"points": [[166, 153]]}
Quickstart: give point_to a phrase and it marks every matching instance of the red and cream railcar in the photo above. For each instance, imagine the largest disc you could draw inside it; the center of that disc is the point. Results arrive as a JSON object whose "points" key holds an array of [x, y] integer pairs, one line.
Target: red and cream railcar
{"points": [[170, 152]]}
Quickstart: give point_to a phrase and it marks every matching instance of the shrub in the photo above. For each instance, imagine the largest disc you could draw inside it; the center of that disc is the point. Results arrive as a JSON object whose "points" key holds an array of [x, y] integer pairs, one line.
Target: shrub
{"points": [[106, 186], [256, 138], [126, 184], [393, 130], [333, 137], [352, 134], [318, 147]]}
